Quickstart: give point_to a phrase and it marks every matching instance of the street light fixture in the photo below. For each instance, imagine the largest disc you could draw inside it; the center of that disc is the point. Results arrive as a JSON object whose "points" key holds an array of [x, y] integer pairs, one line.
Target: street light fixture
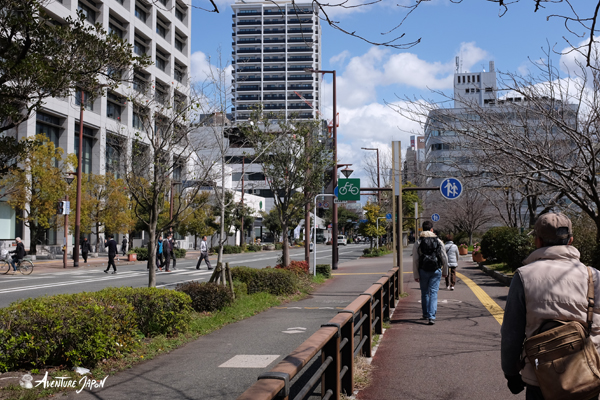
{"points": [[378, 182], [334, 220], [347, 172]]}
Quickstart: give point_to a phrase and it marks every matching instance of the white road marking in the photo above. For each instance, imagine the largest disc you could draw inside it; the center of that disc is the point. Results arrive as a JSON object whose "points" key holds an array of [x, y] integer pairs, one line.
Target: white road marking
{"points": [[49, 285], [249, 361]]}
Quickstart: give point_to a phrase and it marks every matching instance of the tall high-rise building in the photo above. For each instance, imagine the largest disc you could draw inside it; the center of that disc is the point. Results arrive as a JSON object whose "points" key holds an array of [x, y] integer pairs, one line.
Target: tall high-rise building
{"points": [[275, 43], [160, 29]]}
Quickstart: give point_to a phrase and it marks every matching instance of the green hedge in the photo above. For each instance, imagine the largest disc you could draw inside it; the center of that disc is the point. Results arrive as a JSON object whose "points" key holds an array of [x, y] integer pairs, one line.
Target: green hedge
{"points": [[507, 245], [72, 329], [254, 247], [85, 328], [273, 281], [324, 269], [206, 296], [142, 253], [180, 253], [158, 311]]}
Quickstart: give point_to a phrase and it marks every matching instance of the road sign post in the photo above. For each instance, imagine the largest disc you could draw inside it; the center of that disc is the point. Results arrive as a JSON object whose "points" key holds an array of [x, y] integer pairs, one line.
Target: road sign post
{"points": [[348, 189]]}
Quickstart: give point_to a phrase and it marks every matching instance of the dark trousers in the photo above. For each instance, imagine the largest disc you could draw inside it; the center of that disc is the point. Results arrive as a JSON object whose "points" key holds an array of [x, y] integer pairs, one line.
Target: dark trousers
{"points": [[174, 260], [84, 254], [159, 260], [167, 263], [203, 256], [124, 249], [451, 278], [111, 261]]}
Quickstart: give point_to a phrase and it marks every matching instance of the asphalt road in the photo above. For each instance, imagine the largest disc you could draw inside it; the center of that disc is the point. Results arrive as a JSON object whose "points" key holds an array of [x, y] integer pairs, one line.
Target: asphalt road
{"points": [[14, 287]]}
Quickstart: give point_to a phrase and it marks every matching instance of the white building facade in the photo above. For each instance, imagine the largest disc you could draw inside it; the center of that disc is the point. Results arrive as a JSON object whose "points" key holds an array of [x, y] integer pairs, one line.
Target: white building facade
{"points": [[159, 29]]}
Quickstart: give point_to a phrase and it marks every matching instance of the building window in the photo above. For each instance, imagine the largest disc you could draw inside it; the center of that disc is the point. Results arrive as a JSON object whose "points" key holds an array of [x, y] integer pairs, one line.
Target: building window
{"points": [[88, 104], [139, 48], [161, 94], [87, 147], [140, 13], [88, 12], [478, 78], [179, 13], [115, 30], [179, 73], [161, 28], [113, 154], [179, 45], [140, 82], [137, 121], [162, 60], [113, 106], [48, 125]]}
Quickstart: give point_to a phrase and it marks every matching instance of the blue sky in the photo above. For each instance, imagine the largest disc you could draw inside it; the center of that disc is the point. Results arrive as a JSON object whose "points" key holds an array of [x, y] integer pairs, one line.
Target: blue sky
{"points": [[370, 76]]}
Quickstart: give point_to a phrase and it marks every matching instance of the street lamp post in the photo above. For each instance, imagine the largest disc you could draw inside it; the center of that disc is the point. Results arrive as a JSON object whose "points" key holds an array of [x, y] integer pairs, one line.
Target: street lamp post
{"points": [[334, 219], [78, 197], [378, 181], [69, 178]]}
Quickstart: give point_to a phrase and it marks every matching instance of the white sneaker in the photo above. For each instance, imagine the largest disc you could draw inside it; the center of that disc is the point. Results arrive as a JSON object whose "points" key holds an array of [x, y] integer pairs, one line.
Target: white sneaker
{"points": [[451, 287], [447, 287]]}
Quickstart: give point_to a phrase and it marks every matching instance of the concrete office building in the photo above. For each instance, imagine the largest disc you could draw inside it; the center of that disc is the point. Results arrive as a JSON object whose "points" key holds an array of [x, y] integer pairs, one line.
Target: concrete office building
{"points": [[160, 29], [273, 44]]}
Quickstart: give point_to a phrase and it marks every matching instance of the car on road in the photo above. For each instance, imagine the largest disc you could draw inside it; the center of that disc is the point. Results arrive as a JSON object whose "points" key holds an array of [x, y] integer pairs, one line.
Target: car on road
{"points": [[311, 246], [342, 241]]}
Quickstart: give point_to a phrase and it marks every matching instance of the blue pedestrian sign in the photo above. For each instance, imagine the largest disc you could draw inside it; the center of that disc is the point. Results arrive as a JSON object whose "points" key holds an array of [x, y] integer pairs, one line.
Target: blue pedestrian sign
{"points": [[336, 193], [388, 216], [435, 217], [451, 188]]}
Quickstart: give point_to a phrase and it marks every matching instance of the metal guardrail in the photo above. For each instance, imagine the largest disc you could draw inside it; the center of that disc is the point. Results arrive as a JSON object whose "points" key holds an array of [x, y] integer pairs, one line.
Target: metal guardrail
{"points": [[334, 342]]}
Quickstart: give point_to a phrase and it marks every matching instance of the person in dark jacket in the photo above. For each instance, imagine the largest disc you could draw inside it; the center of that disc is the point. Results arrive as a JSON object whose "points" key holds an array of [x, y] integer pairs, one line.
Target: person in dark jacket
{"points": [[85, 249], [124, 246], [174, 246], [112, 252], [19, 253], [167, 250]]}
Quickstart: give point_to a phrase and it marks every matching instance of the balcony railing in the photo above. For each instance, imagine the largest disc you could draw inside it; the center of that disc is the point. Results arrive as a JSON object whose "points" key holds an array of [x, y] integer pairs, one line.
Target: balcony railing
{"points": [[249, 32], [277, 78], [274, 50], [292, 59], [300, 50], [274, 59], [267, 69]]}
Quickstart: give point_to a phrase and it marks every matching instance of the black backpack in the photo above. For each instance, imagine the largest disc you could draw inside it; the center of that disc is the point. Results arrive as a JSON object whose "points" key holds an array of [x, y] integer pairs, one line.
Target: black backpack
{"points": [[428, 260]]}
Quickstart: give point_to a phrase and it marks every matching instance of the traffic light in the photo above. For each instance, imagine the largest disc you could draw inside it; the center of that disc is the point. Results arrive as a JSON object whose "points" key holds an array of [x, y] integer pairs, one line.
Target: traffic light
{"points": [[61, 208]]}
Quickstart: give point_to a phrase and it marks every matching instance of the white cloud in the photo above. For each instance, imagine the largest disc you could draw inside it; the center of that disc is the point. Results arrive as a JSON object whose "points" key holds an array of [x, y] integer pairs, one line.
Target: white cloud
{"points": [[339, 58], [202, 70]]}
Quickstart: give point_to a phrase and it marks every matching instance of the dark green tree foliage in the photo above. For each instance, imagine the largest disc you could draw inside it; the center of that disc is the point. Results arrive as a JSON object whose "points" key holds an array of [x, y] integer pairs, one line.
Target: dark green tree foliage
{"points": [[295, 159], [507, 245]]}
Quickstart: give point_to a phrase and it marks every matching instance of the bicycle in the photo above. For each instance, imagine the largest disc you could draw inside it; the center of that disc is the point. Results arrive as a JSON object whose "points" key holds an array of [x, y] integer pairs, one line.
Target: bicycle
{"points": [[348, 187], [25, 267]]}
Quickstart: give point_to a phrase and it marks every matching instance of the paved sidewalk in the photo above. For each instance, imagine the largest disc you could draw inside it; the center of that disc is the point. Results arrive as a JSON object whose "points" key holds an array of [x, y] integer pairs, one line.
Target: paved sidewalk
{"points": [[223, 364], [457, 358]]}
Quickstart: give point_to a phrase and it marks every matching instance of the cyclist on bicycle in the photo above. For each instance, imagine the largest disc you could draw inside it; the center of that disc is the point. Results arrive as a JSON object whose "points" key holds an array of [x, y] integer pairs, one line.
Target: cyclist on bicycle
{"points": [[19, 253]]}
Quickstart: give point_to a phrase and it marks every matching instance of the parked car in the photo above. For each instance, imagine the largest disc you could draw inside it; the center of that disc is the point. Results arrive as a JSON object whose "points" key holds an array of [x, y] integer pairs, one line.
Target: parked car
{"points": [[342, 241]]}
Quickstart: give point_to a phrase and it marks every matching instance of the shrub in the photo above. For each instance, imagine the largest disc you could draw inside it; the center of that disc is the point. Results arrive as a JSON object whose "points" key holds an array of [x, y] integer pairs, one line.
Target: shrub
{"points": [[506, 245], [206, 296], [273, 281], [229, 249], [243, 274], [324, 269], [278, 246], [297, 267], [461, 237], [158, 311], [254, 247], [180, 253], [239, 288], [584, 238], [70, 329], [369, 250], [142, 253]]}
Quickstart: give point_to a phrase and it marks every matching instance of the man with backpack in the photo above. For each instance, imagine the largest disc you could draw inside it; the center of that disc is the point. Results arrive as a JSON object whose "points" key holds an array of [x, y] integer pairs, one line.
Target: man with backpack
{"points": [[430, 263]]}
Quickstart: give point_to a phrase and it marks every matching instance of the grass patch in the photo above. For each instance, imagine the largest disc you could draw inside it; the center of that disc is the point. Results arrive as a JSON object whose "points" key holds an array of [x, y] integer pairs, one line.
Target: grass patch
{"points": [[362, 373], [382, 252], [503, 268], [201, 324]]}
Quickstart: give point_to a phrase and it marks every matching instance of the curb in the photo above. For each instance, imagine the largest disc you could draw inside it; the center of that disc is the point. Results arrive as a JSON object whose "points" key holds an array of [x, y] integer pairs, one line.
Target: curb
{"points": [[505, 280]]}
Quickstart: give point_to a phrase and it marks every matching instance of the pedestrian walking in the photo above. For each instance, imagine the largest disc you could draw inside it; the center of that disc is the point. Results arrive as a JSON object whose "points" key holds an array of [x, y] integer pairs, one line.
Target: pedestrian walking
{"points": [[452, 253], [167, 254], [124, 246], [552, 284], [203, 254], [430, 263], [159, 254], [112, 253], [85, 249], [174, 246]]}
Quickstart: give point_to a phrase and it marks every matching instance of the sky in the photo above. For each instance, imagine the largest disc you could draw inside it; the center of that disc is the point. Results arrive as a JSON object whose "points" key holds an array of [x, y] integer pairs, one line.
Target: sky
{"points": [[370, 77]]}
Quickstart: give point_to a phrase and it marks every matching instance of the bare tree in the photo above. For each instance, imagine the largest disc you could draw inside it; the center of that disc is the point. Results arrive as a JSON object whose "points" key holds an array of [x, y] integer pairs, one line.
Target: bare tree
{"points": [[543, 132]]}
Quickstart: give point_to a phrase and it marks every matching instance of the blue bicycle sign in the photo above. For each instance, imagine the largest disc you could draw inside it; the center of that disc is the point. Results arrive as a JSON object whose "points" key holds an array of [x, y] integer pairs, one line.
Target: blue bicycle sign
{"points": [[348, 189], [451, 188]]}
